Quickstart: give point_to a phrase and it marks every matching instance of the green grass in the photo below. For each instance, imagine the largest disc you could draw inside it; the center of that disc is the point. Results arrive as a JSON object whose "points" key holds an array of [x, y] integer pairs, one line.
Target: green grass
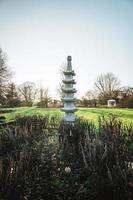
{"points": [[25, 111], [126, 115]]}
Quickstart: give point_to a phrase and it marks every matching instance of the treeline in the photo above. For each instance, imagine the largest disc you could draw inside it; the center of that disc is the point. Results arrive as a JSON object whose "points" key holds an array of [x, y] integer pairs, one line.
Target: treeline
{"points": [[26, 94], [107, 86]]}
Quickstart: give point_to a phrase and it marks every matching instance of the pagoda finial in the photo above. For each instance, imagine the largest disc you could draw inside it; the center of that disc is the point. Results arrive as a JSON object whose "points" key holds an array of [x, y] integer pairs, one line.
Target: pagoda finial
{"points": [[69, 58], [69, 65]]}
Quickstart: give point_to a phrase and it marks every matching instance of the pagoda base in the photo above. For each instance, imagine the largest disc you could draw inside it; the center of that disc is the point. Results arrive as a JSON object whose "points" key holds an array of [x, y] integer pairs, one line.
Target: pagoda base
{"points": [[69, 117]]}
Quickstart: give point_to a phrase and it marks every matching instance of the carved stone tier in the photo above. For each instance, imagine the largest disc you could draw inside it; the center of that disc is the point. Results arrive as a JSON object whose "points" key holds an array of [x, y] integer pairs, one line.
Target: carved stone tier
{"points": [[70, 81], [69, 90], [71, 72], [66, 99]]}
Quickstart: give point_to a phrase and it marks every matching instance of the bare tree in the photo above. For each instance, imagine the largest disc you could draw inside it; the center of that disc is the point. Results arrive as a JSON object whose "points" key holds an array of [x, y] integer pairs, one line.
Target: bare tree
{"points": [[91, 95], [126, 92], [89, 99], [126, 97], [41, 90], [61, 84], [12, 97], [5, 75], [28, 92], [44, 97], [11, 92], [107, 86], [60, 89]]}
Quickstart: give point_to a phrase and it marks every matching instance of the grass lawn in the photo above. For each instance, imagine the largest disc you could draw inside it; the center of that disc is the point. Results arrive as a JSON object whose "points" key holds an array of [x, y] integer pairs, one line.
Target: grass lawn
{"points": [[92, 114], [25, 111], [126, 115]]}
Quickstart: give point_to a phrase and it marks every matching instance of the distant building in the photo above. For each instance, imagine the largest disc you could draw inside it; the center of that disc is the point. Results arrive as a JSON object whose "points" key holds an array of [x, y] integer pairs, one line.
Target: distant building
{"points": [[111, 103]]}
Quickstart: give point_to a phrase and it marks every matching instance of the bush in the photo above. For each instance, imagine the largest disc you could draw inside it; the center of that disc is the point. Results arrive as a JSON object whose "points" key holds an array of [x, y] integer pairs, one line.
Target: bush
{"points": [[2, 111], [26, 163], [43, 103], [41, 158], [2, 119], [99, 157], [126, 102], [13, 103]]}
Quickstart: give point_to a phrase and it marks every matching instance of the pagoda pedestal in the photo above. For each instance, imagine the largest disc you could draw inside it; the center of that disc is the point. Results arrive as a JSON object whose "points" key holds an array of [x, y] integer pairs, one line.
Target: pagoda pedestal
{"points": [[69, 91]]}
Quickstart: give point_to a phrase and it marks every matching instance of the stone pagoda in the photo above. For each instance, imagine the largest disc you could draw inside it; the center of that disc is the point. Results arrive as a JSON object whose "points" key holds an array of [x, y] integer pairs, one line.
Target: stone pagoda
{"points": [[68, 91]]}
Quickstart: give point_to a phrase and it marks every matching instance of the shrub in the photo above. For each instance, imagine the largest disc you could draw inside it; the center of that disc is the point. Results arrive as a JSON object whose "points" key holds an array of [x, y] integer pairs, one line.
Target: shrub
{"points": [[2, 111], [26, 164], [100, 156], [2, 119], [41, 158]]}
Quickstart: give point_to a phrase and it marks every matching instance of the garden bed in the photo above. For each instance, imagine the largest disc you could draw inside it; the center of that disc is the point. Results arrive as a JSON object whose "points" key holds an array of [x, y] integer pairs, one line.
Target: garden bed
{"points": [[43, 158]]}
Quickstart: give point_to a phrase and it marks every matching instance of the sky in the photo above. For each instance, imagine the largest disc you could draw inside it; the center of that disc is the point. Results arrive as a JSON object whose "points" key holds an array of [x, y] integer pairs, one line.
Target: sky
{"points": [[38, 35]]}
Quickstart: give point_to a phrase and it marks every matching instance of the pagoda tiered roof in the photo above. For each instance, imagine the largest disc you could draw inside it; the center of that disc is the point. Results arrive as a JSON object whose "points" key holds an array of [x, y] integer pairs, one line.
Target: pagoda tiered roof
{"points": [[69, 72], [69, 99], [69, 90], [71, 81]]}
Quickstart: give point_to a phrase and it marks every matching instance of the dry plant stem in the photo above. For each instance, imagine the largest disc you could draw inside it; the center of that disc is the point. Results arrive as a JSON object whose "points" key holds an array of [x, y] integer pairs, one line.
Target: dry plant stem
{"points": [[83, 154]]}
